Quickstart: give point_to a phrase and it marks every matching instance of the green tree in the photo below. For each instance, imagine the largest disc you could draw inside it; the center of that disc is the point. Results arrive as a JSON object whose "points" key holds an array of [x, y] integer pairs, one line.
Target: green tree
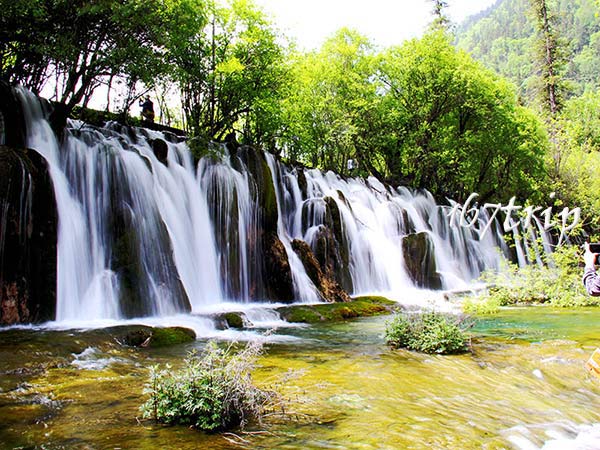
{"points": [[81, 44], [577, 180], [331, 105], [231, 71], [550, 56], [453, 127]]}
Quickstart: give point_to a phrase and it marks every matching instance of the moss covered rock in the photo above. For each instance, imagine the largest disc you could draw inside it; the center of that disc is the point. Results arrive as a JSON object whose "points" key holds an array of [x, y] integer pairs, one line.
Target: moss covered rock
{"points": [[234, 319], [332, 312], [144, 336]]}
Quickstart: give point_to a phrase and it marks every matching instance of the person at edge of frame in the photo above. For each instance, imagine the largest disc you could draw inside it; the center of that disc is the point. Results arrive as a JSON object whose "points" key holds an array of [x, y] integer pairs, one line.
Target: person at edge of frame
{"points": [[591, 280]]}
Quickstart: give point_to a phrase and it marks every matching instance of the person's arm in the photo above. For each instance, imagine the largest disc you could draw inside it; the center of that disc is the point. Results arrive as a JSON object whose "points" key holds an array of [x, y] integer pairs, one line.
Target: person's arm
{"points": [[591, 280]]}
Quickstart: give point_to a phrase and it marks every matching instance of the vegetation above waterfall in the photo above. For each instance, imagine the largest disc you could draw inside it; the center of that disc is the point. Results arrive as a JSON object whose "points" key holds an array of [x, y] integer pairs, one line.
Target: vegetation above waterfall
{"points": [[423, 113]]}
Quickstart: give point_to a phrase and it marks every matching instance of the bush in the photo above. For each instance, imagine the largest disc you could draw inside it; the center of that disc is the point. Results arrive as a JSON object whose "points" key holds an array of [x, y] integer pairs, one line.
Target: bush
{"points": [[481, 304], [557, 282], [213, 391], [427, 332]]}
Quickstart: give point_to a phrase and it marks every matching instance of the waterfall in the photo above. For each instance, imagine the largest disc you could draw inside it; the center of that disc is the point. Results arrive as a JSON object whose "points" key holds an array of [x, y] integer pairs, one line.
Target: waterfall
{"points": [[139, 236], [374, 220]]}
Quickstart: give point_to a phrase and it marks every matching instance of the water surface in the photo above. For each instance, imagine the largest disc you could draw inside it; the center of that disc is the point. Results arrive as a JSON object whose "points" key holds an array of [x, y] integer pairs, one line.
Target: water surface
{"points": [[524, 386]]}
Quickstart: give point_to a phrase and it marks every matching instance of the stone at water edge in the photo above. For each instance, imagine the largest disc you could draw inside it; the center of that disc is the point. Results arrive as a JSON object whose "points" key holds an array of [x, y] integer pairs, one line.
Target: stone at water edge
{"points": [[152, 337]]}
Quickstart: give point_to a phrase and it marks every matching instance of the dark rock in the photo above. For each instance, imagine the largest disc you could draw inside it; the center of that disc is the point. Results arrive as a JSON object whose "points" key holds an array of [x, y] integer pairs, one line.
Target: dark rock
{"points": [[419, 259], [28, 236], [14, 129], [332, 248], [268, 260], [161, 150], [59, 113], [279, 285], [329, 288], [302, 184]]}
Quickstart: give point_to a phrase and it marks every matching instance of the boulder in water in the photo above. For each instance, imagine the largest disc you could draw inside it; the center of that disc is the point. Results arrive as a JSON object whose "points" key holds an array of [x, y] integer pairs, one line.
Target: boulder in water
{"points": [[144, 336]]}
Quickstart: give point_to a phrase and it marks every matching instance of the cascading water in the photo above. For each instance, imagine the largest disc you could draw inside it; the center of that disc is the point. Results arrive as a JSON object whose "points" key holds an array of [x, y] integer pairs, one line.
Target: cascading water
{"points": [[374, 220], [138, 237]]}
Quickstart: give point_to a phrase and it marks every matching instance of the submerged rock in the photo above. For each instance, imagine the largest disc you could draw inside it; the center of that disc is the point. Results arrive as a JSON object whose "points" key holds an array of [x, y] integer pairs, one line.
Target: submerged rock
{"points": [[419, 259]]}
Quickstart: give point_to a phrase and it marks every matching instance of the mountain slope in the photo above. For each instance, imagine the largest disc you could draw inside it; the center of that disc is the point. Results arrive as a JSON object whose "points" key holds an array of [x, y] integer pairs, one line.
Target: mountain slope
{"points": [[504, 39]]}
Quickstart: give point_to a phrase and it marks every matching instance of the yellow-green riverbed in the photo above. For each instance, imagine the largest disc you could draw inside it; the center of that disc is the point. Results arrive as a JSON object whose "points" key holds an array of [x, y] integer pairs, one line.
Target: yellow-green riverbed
{"points": [[524, 386]]}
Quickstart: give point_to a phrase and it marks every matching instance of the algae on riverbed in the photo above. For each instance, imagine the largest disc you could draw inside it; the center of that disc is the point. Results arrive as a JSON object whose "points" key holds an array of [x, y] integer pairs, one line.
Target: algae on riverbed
{"points": [[524, 379]]}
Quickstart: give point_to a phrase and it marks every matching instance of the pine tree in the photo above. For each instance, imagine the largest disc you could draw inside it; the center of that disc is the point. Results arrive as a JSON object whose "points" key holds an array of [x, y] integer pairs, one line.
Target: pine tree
{"points": [[551, 58], [440, 19]]}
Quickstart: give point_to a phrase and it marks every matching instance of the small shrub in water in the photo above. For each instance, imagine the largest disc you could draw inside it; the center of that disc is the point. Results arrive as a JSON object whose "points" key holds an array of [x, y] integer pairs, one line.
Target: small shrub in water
{"points": [[427, 332], [213, 391]]}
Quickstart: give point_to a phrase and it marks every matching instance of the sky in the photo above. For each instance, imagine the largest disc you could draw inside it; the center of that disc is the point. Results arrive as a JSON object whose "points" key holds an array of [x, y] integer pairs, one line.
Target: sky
{"points": [[384, 22]]}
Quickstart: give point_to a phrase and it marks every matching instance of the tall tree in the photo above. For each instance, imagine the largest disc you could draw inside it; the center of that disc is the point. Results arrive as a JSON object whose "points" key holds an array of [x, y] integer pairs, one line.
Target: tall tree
{"points": [[552, 62], [230, 71], [453, 127], [440, 18], [332, 103], [79, 44]]}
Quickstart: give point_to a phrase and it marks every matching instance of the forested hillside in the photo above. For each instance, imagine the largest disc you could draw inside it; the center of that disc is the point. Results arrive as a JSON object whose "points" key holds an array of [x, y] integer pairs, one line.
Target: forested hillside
{"points": [[504, 39]]}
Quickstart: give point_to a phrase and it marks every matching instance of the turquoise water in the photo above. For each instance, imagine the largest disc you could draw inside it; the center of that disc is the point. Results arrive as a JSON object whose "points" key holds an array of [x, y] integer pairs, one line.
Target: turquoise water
{"points": [[523, 386]]}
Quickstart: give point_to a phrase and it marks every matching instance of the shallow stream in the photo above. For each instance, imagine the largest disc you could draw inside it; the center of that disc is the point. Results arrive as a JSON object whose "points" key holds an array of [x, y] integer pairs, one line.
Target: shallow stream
{"points": [[523, 387]]}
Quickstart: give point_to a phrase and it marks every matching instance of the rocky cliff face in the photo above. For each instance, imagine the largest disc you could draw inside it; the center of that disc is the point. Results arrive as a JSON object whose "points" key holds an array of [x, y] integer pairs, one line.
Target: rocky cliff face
{"points": [[28, 227], [274, 281]]}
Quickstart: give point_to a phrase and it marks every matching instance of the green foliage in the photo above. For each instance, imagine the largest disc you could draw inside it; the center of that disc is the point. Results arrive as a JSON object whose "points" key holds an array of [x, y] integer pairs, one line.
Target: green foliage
{"points": [[427, 332], [80, 44], [422, 114], [331, 104], [454, 127], [231, 71], [558, 282], [482, 304], [504, 39], [213, 391]]}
